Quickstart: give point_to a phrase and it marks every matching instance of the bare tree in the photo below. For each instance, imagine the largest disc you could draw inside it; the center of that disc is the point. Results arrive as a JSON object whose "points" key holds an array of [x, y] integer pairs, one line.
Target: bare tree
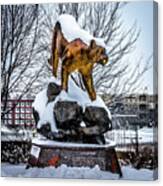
{"points": [[26, 33], [20, 51], [121, 75]]}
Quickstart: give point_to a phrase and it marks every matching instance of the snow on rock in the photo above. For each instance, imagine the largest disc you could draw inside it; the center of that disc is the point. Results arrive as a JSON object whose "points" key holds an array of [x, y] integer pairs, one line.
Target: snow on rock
{"points": [[74, 93], [71, 30], [129, 173], [45, 110], [40, 101]]}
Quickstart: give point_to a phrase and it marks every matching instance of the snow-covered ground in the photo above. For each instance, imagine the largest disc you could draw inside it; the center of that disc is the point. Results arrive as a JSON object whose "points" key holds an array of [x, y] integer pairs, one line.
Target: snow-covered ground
{"points": [[119, 136], [15, 135], [123, 136], [8, 170]]}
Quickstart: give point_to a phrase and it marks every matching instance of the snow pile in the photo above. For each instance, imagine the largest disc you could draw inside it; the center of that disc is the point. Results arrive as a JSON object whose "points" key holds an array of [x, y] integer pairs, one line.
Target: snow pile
{"points": [[5, 129], [145, 135], [63, 171], [15, 135], [71, 30], [40, 140], [74, 93]]}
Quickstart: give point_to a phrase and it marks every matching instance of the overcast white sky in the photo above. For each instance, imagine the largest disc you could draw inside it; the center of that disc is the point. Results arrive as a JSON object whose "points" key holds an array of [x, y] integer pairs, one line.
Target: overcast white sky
{"points": [[143, 13]]}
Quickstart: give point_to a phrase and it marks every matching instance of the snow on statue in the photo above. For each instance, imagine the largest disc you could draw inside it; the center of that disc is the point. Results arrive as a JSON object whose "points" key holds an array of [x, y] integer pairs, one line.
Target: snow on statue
{"points": [[70, 118], [63, 108], [79, 54]]}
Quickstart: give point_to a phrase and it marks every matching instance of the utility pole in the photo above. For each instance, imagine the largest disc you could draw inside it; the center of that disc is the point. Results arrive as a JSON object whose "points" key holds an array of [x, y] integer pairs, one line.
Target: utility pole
{"points": [[136, 140]]}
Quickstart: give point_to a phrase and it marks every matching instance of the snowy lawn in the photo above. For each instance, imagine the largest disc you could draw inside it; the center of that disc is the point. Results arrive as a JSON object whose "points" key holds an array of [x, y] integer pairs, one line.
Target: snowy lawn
{"points": [[63, 171], [145, 135]]}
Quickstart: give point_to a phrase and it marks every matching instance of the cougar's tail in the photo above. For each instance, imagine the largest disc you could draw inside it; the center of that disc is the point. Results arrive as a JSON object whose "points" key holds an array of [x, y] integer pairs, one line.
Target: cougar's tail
{"points": [[55, 48], [58, 45]]}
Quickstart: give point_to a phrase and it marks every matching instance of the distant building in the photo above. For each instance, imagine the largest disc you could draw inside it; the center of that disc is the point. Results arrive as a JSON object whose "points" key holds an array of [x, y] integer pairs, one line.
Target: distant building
{"points": [[143, 105]]}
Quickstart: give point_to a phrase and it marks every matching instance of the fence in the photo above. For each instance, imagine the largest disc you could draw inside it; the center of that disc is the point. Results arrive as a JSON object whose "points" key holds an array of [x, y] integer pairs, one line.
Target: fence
{"points": [[19, 113]]}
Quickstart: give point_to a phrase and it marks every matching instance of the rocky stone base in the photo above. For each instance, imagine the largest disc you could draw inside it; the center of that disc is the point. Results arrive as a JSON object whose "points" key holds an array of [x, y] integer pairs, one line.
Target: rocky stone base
{"points": [[76, 155], [73, 124]]}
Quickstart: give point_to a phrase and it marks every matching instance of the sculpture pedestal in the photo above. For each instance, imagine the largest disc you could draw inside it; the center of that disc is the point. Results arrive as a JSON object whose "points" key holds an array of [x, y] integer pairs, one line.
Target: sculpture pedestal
{"points": [[51, 153]]}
